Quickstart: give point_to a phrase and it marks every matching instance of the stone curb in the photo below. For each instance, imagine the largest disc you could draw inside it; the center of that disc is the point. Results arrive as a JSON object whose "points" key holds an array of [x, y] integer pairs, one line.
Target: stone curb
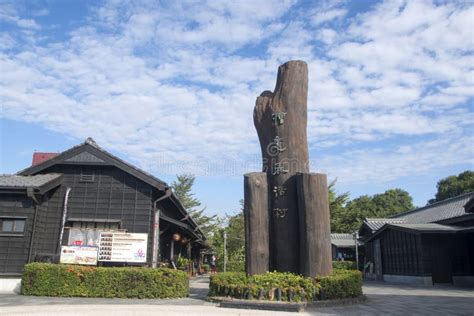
{"points": [[227, 302]]}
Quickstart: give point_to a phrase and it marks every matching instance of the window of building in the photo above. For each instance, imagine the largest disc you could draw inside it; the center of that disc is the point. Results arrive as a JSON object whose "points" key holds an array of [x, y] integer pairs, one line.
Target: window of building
{"points": [[87, 176], [12, 225]]}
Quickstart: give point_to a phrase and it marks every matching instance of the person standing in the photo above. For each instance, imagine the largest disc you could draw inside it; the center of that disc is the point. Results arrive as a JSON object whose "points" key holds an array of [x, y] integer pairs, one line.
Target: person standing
{"points": [[213, 264]]}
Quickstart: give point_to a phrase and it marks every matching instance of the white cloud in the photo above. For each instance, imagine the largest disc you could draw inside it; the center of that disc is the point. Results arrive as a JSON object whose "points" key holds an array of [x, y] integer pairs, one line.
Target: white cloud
{"points": [[9, 14], [173, 86], [328, 15]]}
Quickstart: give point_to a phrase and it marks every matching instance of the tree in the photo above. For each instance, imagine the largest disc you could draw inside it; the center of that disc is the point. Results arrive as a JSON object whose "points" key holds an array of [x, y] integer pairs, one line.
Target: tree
{"points": [[355, 212], [391, 202], [453, 186], [182, 188], [234, 225], [337, 203]]}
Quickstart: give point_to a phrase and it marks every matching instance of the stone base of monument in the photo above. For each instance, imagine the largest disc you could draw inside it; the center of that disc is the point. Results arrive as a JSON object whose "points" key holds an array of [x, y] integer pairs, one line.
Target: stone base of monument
{"points": [[228, 302]]}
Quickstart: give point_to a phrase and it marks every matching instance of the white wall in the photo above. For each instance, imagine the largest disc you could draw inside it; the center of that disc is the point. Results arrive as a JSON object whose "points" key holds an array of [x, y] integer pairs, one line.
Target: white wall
{"points": [[10, 285]]}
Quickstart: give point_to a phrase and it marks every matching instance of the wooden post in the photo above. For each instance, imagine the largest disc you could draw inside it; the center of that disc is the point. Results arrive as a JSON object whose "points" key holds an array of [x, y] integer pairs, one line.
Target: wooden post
{"points": [[256, 223], [280, 118], [156, 238], [315, 232], [297, 219]]}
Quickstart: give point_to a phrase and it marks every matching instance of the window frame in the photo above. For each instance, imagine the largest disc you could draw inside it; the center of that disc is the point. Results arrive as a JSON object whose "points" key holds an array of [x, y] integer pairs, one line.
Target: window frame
{"points": [[87, 176], [13, 233]]}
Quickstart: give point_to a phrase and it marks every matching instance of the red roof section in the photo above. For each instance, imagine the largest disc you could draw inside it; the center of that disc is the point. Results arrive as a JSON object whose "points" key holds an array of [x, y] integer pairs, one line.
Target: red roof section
{"points": [[40, 157]]}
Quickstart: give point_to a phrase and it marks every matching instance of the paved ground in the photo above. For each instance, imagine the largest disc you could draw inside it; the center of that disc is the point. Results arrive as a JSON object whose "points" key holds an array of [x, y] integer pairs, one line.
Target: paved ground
{"points": [[383, 299], [390, 299]]}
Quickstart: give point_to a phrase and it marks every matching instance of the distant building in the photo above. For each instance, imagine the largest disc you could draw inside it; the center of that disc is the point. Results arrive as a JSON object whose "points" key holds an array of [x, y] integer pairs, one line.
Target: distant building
{"points": [[343, 247], [429, 245], [86, 190]]}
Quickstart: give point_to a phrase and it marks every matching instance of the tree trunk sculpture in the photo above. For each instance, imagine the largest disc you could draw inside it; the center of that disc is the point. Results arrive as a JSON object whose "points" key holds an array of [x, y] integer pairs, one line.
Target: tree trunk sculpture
{"points": [[297, 209]]}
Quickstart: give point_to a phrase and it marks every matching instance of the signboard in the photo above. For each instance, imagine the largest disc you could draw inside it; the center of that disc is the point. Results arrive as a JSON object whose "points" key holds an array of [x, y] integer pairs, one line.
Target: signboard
{"points": [[78, 255], [123, 247]]}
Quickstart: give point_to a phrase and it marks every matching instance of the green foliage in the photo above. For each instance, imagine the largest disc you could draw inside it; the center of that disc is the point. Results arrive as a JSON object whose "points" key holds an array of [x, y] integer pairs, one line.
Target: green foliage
{"points": [[341, 284], [337, 203], [389, 203], [232, 266], [182, 262], [392, 202], [182, 188], [453, 186], [206, 268], [238, 285], [347, 265], [66, 280], [235, 228]]}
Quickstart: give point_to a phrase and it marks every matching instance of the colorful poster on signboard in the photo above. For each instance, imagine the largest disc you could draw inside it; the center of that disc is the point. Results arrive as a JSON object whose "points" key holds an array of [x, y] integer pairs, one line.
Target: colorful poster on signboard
{"points": [[78, 255], [83, 237], [123, 247]]}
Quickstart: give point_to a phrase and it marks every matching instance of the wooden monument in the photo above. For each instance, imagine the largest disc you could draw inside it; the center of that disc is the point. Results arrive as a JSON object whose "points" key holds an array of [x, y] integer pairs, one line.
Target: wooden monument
{"points": [[286, 207]]}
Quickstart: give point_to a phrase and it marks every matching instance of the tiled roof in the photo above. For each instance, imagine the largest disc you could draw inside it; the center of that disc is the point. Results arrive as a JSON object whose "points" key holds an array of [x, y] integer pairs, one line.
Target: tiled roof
{"points": [[429, 227], [21, 182], [89, 141], [39, 157], [376, 223], [423, 228], [450, 208], [343, 240]]}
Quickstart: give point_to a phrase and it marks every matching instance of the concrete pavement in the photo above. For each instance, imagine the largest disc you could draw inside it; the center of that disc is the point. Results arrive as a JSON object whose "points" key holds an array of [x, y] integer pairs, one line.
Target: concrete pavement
{"points": [[383, 299]]}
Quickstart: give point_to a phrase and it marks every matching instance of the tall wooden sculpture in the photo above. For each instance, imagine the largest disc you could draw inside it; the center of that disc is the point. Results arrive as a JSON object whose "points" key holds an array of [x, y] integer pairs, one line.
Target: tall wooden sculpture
{"points": [[286, 207]]}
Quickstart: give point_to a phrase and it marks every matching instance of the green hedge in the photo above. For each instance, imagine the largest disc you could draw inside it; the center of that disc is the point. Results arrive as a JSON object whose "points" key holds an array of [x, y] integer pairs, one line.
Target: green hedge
{"points": [[238, 285], [232, 266], [341, 284], [66, 280], [349, 265]]}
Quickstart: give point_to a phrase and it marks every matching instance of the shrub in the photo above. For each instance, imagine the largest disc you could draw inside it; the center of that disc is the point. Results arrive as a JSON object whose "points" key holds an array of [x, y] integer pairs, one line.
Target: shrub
{"points": [[341, 284], [66, 280], [232, 266], [183, 262], [348, 265], [206, 268], [236, 266], [293, 287]]}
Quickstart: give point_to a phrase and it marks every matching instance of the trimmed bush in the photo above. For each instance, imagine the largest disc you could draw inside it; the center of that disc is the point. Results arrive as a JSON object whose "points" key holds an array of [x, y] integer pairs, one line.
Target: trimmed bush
{"points": [[236, 266], [348, 265], [264, 286], [341, 284], [232, 265], [67, 280]]}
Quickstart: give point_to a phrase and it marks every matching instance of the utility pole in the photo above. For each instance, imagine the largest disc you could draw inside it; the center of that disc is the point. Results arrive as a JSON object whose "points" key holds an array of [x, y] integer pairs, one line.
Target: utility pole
{"points": [[356, 237], [225, 251]]}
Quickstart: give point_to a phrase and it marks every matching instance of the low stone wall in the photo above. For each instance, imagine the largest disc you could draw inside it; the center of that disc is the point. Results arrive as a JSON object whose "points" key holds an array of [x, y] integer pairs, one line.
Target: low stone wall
{"points": [[464, 280], [408, 279]]}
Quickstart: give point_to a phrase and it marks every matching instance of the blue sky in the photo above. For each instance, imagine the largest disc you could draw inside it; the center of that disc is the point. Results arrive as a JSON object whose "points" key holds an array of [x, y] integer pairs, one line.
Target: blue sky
{"points": [[171, 87]]}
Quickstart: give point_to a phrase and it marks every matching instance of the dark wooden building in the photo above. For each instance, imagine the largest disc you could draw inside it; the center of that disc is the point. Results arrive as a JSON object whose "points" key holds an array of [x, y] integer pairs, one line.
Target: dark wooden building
{"points": [[429, 245], [87, 187]]}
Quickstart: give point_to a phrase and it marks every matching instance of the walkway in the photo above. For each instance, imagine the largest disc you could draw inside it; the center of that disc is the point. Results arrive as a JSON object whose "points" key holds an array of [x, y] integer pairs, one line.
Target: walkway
{"points": [[383, 299]]}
